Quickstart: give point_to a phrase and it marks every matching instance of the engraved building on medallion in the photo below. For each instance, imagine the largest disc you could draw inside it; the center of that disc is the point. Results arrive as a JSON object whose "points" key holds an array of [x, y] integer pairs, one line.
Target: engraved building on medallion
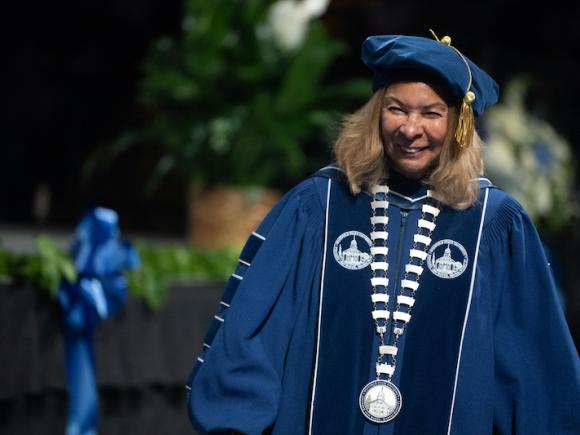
{"points": [[378, 406], [447, 265], [353, 256]]}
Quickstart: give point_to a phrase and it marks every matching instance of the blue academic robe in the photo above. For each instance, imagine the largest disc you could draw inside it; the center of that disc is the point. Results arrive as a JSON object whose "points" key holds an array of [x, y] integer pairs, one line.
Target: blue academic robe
{"points": [[293, 343]]}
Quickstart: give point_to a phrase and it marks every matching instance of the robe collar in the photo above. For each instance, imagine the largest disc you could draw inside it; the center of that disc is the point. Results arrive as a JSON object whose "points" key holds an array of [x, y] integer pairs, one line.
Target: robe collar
{"points": [[403, 192]]}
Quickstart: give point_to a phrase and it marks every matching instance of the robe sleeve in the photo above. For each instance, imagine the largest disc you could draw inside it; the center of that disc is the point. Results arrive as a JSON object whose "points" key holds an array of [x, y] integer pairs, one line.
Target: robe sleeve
{"points": [[236, 383], [537, 371]]}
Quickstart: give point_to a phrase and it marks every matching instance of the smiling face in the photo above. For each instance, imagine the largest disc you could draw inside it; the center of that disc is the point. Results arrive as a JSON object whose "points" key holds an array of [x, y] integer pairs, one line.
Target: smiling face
{"points": [[414, 125]]}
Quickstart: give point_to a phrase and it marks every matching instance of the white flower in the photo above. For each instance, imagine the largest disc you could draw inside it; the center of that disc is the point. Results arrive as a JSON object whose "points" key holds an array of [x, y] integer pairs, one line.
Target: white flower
{"points": [[525, 156], [288, 24], [315, 8], [498, 156], [542, 194], [288, 20]]}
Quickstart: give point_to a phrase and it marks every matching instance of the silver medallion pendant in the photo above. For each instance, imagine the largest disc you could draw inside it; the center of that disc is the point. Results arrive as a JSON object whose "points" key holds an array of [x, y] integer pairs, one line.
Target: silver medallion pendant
{"points": [[380, 401]]}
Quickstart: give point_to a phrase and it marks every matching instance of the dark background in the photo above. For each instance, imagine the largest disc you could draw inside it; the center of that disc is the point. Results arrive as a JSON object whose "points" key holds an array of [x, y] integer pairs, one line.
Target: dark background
{"points": [[72, 70], [74, 67]]}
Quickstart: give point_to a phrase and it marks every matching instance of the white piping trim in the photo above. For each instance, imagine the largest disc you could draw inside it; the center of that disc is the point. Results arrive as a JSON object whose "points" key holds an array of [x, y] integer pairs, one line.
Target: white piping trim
{"points": [[218, 318], [420, 198], [467, 309], [187, 387], [332, 167], [320, 309], [237, 276], [408, 198], [259, 236], [244, 262], [200, 360], [224, 304]]}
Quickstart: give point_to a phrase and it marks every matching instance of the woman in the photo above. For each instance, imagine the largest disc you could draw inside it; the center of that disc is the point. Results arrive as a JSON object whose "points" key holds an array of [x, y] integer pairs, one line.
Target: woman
{"points": [[395, 292]]}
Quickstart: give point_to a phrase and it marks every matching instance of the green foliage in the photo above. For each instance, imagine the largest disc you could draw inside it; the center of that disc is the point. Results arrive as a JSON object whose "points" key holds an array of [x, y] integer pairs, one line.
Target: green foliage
{"points": [[45, 269], [161, 265], [227, 105]]}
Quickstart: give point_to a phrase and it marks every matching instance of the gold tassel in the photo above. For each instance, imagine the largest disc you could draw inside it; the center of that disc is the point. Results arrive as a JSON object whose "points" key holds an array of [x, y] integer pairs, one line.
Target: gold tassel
{"points": [[466, 122]]}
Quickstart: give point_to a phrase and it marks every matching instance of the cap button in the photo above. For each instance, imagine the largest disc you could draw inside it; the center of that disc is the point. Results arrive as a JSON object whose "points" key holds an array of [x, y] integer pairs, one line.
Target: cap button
{"points": [[446, 40], [469, 97]]}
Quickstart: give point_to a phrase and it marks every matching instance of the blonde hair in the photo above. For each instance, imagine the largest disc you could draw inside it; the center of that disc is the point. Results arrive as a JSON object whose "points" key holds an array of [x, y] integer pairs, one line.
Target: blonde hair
{"points": [[359, 151]]}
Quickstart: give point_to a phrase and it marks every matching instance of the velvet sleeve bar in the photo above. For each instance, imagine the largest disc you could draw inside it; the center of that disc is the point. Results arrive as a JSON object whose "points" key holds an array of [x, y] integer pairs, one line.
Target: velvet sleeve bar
{"points": [[238, 380]]}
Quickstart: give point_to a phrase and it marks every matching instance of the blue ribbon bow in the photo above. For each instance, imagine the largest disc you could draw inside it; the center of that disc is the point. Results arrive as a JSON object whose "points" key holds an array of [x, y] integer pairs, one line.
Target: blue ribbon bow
{"points": [[100, 259]]}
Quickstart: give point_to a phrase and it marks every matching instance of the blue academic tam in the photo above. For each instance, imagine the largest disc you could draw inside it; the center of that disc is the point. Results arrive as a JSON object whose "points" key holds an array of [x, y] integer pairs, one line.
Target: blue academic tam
{"points": [[389, 56]]}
